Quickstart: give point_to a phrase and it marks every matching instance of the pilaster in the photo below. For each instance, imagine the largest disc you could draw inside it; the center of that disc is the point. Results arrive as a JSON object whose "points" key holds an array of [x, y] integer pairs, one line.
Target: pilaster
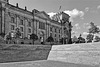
{"points": [[3, 18]]}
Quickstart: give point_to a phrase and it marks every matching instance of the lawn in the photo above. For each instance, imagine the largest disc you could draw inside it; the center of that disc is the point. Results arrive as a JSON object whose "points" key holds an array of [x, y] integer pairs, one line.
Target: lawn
{"points": [[16, 53]]}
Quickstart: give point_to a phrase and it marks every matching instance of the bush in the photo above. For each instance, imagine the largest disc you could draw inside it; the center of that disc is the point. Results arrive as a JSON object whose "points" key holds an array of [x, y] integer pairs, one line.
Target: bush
{"points": [[2, 40], [50, 39], [33, 37]]}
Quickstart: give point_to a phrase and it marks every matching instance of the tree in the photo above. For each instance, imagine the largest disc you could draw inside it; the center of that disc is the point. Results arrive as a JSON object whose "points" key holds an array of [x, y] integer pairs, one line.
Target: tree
{"points": [[2, 40], [17, 33], [93, 28], [75, 39], [81, 39], [92, 31], [97, 39], [33, 37], [8, 37], [50, 39], [2, 35], [89, 37]]}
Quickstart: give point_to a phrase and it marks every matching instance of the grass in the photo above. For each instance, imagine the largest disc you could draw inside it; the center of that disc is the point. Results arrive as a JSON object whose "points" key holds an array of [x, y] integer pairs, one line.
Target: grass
{"points": [[16, 53]]}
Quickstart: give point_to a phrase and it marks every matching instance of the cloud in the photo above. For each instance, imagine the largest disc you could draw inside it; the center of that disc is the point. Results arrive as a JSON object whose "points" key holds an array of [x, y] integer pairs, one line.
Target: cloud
{"points": [[74, 13], [98, 27], [51, 14], [86, 9], [86, 25], [97, 35], [98, 7], [85, 33], [77, 26], [74, 32]]}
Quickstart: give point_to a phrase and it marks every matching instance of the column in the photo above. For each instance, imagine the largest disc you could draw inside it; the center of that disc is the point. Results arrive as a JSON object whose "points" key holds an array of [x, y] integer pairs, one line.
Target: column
{"points": [[3, 19]]}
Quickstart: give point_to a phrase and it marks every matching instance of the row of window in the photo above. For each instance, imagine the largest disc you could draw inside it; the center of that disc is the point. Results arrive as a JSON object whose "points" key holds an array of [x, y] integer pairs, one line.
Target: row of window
{"points": [[55, 35], [55, 30], [21, 29], [41, 25], [21, 21]]}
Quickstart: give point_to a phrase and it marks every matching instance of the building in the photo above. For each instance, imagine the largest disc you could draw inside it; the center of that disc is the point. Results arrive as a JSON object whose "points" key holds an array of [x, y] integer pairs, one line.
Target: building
{"points": [[66, 26], [13, 17], [45, 27], [38, 22]]}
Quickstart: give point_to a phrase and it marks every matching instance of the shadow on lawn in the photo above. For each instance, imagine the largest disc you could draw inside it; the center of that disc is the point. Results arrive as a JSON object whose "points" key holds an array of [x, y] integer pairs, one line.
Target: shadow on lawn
{"points": [[16, 53]]}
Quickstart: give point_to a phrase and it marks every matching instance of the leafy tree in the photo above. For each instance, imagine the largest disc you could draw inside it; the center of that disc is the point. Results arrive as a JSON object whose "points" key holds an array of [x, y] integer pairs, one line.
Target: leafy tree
{"points": [[2, 40], [89, 37], [81, 39], [70, 41], [93, 28], [50, 39], [8, 37], [2, 34], [75, 39], [17, 33], [97, 39], [33, 37]]}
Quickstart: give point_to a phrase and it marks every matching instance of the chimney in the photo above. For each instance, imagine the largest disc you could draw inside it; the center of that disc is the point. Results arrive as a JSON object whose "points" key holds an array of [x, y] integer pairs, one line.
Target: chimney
{"points": [[16, 4], [25, 8]]}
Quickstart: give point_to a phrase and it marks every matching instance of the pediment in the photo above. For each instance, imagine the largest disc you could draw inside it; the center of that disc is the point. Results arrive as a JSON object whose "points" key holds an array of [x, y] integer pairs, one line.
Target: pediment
{"points": [[43, 15]]}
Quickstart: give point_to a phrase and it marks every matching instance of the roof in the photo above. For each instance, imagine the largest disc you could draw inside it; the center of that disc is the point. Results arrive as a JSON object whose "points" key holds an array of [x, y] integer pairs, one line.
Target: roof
{"points": [[18, 9]]}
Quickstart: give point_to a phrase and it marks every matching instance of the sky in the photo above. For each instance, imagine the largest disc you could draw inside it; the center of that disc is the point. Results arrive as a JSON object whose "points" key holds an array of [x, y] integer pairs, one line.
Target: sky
{"points": [[81, 12]]}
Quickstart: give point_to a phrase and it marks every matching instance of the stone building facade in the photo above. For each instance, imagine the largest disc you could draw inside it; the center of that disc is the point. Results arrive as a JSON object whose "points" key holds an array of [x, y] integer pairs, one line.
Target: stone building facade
{"points": [[37, 22]]}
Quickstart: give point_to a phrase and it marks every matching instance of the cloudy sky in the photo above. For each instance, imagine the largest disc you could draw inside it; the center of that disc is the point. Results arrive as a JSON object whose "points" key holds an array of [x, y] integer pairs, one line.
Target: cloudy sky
{"points": [[82, 12]]}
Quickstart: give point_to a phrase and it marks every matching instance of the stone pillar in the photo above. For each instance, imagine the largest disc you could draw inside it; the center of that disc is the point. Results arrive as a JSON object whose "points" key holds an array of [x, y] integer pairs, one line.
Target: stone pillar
{"points": [[0, 17], [3, 20], [46, 29], [25, 28]]}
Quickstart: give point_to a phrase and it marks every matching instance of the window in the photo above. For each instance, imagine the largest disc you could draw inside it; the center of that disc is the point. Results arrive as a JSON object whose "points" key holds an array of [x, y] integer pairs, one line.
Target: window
{"points": [[50, 28], [21, 29], [59, 31], [22, 35], [41, 25], [12, 20], [50, 34], [55, 30], [29, 30], [12, 27], [59, 36], [29, 24], [21, 22], [55, 35]]}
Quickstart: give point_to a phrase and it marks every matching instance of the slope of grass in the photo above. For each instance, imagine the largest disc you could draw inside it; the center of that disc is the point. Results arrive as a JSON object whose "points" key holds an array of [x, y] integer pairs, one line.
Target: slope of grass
{"points": [[15, 53]]}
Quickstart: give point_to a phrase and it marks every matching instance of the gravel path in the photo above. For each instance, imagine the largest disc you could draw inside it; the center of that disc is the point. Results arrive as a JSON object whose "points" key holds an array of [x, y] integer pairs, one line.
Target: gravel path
{"points": [[44, 63]]}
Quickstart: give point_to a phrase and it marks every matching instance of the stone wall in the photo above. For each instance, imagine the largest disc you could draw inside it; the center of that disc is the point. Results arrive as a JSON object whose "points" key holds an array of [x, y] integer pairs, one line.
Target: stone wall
{"points": [[88, 53]]}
